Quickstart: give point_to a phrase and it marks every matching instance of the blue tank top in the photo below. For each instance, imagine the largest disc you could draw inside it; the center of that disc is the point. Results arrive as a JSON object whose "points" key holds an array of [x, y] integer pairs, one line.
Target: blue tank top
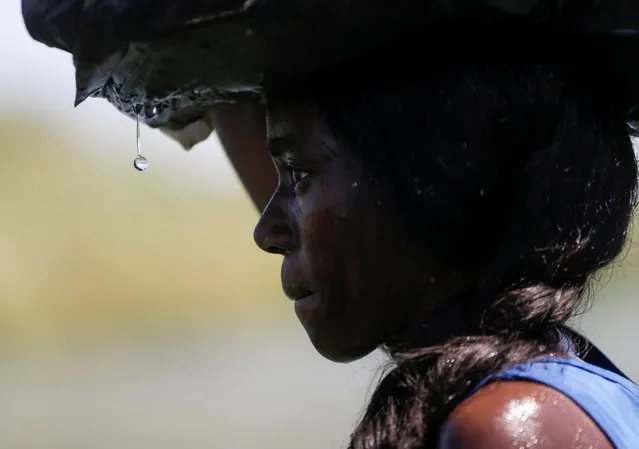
{"points": [[610, 400]]}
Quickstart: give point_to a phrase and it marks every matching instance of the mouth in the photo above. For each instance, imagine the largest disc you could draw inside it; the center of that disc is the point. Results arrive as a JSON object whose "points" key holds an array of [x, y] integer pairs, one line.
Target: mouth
{"points": [[302, 295], [308, 308], [294, 282]]}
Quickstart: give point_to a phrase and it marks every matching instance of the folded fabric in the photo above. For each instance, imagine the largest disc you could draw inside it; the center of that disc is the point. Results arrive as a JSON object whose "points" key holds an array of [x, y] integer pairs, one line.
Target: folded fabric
{"points": [[177, 59]]}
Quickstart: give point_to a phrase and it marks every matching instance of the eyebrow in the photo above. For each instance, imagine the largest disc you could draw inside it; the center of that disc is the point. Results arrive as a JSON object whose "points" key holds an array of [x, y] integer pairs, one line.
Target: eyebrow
{"points": [[279, 146]]}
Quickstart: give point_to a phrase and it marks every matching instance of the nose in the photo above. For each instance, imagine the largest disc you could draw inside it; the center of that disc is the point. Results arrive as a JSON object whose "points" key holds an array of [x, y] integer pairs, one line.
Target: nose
{"points": [[275, 231]]}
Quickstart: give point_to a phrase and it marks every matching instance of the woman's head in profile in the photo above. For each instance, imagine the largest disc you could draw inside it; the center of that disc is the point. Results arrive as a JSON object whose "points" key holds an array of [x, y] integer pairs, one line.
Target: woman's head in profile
{"points": [[451, 213], [454, 218]]}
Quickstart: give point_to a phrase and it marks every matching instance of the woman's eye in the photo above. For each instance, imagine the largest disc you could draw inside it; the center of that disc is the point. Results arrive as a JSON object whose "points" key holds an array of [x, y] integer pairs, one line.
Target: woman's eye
{"points": [[297, 175]]}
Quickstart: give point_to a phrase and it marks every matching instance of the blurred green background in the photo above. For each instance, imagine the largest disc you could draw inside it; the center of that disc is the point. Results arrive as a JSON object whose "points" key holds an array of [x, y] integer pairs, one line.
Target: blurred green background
{"points": [[135, 309]]}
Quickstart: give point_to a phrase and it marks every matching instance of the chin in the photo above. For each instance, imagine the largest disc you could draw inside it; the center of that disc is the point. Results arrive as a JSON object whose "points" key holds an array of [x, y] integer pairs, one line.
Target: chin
{"points": [[341, 353]]}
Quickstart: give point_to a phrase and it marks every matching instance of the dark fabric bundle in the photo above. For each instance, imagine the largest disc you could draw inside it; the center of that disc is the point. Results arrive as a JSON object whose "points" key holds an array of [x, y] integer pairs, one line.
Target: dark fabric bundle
{"points": [[176, 59]]}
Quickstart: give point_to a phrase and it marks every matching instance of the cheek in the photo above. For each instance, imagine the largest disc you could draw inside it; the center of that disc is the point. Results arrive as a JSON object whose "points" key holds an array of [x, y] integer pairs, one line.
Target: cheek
{"points": [[324, 238], [336, 251], [343, 243], [351, 254]]}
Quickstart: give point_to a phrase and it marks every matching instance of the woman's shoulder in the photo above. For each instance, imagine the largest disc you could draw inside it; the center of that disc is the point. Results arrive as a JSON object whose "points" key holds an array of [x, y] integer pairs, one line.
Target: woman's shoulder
{"points": [[520, 414], [548, 403]]}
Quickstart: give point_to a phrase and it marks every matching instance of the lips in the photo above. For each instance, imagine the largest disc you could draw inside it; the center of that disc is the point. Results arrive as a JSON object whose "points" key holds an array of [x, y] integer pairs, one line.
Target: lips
{"points": [[293, 284], [303, 295], [296, 293]]}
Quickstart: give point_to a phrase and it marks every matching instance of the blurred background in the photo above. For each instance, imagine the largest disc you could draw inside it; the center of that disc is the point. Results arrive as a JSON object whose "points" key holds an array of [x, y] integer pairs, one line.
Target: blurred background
{"points": [[135, 309]]}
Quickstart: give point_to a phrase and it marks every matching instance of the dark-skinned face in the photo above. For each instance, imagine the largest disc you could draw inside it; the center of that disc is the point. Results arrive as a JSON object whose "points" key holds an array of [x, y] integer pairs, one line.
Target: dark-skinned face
{"points": [[356, 274]]}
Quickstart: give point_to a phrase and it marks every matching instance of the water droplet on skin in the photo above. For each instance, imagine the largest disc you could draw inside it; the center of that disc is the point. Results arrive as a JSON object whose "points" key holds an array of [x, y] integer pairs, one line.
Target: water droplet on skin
{"points": [[140, 163], [521, 420]]}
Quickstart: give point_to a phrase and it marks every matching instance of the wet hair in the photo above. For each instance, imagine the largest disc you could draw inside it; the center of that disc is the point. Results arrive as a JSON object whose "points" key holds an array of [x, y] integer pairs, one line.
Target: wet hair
{"points": [[525, 170]]}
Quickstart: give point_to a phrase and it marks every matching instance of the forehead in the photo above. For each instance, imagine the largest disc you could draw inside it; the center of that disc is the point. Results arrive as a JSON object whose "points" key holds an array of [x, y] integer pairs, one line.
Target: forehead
{"points": [[289, 115]]}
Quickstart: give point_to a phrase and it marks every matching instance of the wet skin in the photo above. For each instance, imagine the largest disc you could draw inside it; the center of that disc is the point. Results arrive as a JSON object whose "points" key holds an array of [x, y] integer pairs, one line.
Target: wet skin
{"points": [[517, 414], [359, 278], [356, 273]]}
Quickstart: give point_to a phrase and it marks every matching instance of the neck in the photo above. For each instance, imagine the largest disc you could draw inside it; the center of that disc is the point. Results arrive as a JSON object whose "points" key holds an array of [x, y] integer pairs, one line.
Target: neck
{"points": [[450, 320]]}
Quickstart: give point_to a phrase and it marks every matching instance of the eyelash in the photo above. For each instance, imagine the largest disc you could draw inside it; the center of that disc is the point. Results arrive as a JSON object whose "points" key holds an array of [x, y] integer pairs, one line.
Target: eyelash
{"points": [[292, 170]]}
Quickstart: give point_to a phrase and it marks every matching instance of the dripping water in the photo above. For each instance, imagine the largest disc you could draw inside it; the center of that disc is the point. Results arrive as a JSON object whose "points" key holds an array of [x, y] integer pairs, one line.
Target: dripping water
{"points": [[140, 163]]}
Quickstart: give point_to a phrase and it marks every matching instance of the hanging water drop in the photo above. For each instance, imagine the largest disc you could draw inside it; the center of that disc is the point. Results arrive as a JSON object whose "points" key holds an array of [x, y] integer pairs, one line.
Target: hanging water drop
{"points": [[140, 163]]}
